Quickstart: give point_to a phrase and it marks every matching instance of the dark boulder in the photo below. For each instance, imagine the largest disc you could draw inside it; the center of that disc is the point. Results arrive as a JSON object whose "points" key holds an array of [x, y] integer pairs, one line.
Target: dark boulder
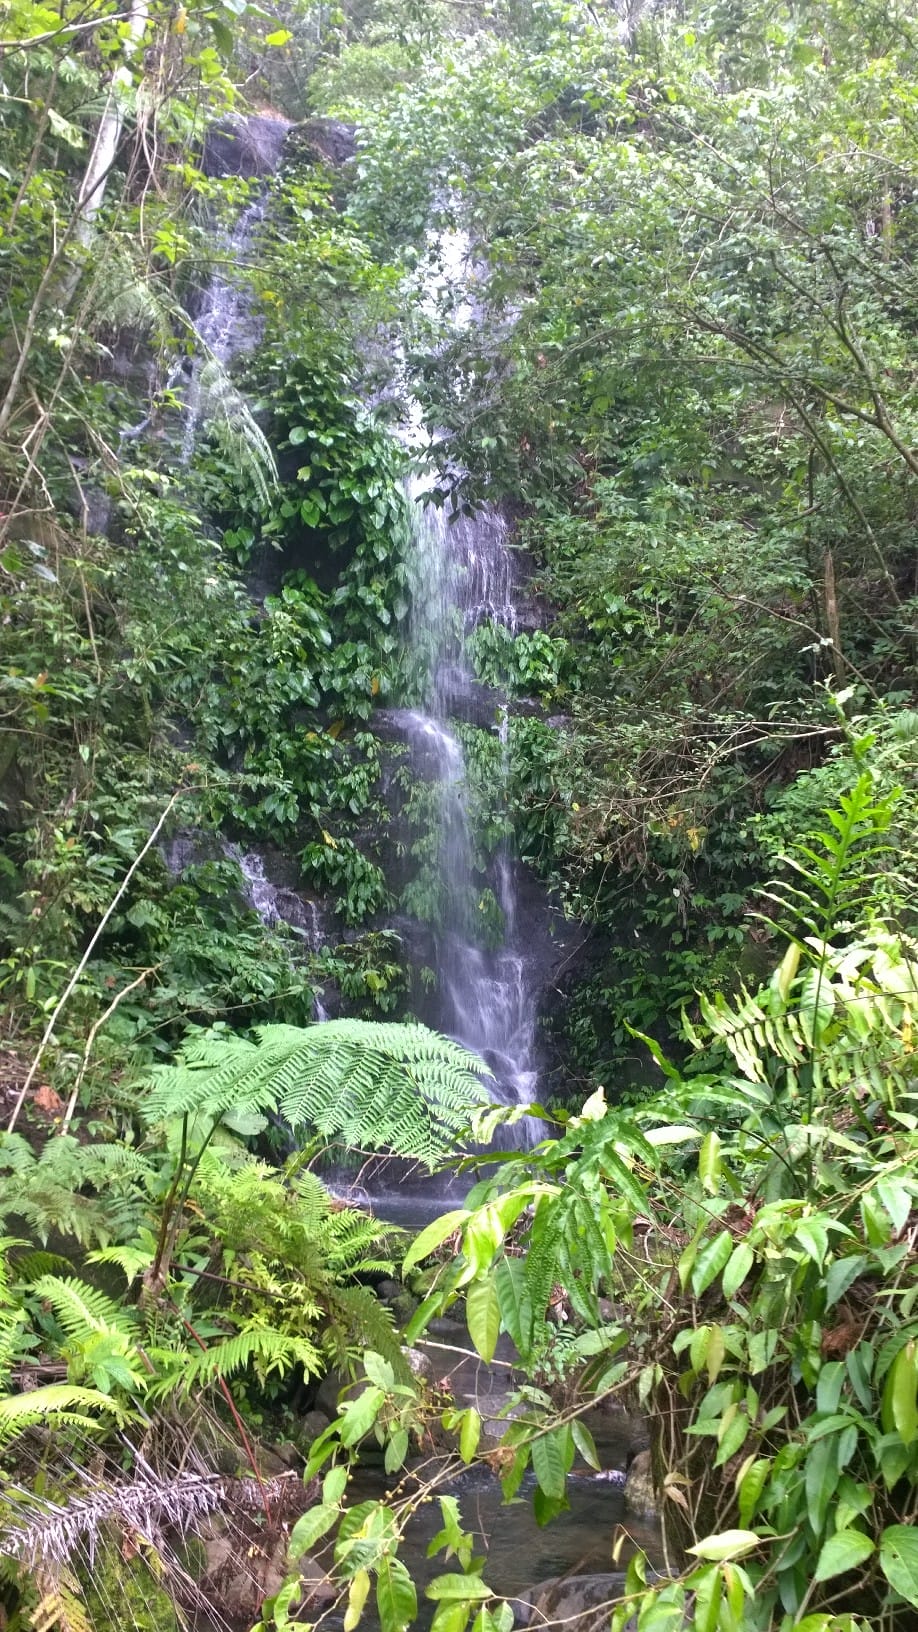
{"points": [[248, 147]]}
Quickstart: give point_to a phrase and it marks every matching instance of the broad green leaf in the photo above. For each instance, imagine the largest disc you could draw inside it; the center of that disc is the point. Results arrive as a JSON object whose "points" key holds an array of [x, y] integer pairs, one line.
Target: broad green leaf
{"points": [[709, 1163], [482, 1315], [708, 1587], [515, 1308], [900, 1404], [360, 1415], [726, 1545], [312, 1524], [737, 1268], [469, 1434], [817, 1004], [846, 1550], [548, 1462], [334, 1485], [841, 1274], [813, 1235], [732, 1436], [450, 1616], [783, 977], [899, 1560], [358, 1592], [829, 1386], [671, 1134], [433, 1236], [712, 1257], [457, 1587], [896, 1197], [396, 1450], [396, 1598], [820, 1480], [378, 1370], [585, 1444], [751, 1485]]}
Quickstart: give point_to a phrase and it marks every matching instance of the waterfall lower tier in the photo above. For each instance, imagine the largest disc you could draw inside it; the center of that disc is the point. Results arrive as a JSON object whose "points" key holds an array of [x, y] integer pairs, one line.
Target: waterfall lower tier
{"points": [[486, 985]]}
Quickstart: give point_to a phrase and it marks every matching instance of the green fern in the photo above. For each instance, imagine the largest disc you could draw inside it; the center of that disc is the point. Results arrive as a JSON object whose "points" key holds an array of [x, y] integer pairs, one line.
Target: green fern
{"points": [[262, 1347], [54, 1406], [837, 865], [83, 1309], [91, 1193], [376, 1086]]}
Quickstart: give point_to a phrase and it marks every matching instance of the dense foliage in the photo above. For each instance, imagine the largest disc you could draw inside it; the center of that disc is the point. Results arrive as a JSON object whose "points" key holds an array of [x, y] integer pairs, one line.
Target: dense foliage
{"points": [[689, 381]]}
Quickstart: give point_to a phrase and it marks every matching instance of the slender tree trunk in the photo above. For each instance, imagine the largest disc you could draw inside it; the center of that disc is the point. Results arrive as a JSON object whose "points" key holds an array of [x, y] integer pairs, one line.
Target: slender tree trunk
{"points": [[833, 621], [102, 157], [89, 201]]}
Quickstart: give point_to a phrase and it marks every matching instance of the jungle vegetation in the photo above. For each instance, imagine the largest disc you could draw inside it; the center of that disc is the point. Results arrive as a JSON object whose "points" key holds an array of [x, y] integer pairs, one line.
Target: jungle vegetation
{"points": [[691, 384]]}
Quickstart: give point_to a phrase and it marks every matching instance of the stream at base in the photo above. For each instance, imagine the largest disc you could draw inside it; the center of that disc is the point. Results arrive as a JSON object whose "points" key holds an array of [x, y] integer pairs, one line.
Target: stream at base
{"points": [[519, 1553]]}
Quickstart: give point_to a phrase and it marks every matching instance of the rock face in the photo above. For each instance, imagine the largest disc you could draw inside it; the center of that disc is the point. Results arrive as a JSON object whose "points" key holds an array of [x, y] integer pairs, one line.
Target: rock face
{"points": [[329, 139], [580, 1602], [247, 147], [640, 1496]]}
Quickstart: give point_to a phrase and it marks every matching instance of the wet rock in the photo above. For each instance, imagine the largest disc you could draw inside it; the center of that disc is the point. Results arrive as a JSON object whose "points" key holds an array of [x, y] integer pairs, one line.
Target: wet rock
{"points": [[247, 147], [274, 1460], [327, 1394], [580, 1602], [403, 1307], [316, 1591], [237, 1580], [420, 1364], [448, 1331], [331, 140], [236, 1584], [640, 1496], [312, 1425]]}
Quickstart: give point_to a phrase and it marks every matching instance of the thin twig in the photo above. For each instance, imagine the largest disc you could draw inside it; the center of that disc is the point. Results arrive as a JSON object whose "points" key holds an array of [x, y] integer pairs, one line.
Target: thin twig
{"points": [[78, 971], [71, 1106]]}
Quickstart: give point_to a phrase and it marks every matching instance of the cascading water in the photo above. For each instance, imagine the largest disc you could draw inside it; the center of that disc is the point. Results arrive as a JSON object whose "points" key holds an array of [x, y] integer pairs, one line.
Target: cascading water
{"points": [[486, 996], [227, 324], [486, 984]]}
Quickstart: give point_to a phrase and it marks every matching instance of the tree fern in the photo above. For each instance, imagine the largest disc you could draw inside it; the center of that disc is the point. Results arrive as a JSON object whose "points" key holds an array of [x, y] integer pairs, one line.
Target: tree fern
{"points": [[376, 1086]]}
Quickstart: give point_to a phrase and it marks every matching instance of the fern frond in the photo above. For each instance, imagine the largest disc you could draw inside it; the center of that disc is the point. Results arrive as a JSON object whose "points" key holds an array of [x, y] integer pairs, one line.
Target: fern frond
{"points": [[60, 1602], [16, 1154], [83, 1310], [375, 1085], [132, 1260], [268, 1350], [358, 1321], [54, 1405]]}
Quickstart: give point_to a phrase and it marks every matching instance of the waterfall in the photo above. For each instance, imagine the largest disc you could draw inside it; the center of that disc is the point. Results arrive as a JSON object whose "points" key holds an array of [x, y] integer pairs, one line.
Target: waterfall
{"points": [[463, 574], [488, 955], [227, 324]]}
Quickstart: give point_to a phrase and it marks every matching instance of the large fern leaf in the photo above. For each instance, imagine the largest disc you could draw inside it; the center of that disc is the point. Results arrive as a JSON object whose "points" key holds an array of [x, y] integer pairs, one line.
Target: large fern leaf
{"points": [[82, 1309], [53, 1406], [261, 1346], [376, 1086]]}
